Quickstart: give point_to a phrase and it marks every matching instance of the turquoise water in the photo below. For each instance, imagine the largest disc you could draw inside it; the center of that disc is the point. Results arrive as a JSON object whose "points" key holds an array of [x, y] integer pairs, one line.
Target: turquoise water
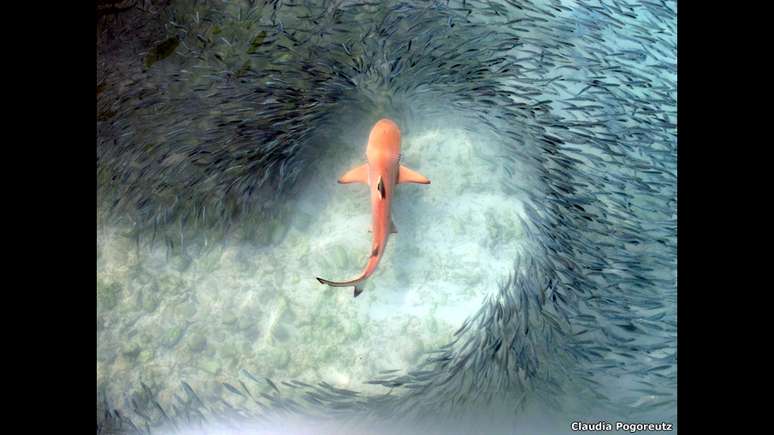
{"points": [[532, 284]]}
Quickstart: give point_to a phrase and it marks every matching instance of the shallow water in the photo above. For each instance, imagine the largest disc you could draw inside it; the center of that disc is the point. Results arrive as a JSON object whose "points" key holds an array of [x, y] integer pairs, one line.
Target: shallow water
{"points": [[260, 308], [535, 273]]}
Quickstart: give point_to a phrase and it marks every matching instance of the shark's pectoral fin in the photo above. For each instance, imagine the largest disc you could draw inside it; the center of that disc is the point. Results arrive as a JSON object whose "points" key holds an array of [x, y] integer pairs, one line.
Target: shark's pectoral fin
{"points": [[406, 175], [356, 175], [358, 290]]}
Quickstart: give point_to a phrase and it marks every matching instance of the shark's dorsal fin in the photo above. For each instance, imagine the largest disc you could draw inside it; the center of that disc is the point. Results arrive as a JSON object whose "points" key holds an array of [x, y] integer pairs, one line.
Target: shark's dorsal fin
{"points": [[380, 188], [406, 175], [356, 175]]}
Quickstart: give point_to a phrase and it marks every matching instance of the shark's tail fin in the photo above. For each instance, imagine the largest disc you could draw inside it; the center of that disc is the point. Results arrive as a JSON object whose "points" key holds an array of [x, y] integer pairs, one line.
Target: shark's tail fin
{"points": [[357, 283]]}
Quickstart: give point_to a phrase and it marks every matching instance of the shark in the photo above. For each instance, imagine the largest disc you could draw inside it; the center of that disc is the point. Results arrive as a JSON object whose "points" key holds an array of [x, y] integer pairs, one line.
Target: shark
{"points": [[381, 172]]}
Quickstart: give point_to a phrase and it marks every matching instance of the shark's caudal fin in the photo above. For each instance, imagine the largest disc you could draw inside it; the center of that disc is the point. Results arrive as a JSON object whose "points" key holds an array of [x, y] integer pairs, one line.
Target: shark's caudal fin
{"points": [[356, 175], [357, 283], [407, 175]]}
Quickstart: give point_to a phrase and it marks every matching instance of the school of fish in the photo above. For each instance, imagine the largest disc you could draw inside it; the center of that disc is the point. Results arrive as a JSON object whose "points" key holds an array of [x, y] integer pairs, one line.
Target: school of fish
{"points": [[582, 95]]}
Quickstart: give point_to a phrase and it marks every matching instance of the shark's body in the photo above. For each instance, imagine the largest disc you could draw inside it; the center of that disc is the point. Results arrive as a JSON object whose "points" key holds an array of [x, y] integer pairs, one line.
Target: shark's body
{"points": [[381, 173]]}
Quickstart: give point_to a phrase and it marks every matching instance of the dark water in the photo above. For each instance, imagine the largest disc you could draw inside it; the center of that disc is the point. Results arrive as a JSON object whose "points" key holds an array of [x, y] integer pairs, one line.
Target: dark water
{"points": [[532, 284]]}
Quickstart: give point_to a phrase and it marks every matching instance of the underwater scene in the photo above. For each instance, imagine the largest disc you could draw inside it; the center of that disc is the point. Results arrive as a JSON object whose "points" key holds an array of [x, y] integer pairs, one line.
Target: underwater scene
{"points": [[386, 217]]}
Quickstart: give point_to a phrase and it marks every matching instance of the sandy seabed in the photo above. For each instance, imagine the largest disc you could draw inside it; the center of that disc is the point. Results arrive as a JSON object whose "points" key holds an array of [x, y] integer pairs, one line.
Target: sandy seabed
{"points": [[238, 307]]}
